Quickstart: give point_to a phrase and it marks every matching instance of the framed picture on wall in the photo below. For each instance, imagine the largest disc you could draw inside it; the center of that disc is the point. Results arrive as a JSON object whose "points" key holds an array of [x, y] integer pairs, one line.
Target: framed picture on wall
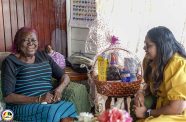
{"points": [[83, 12]]}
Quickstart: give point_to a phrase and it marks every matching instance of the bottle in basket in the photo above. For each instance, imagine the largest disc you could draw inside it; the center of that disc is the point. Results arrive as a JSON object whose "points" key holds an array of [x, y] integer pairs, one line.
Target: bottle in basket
{"points": [[102, 68], [113, 70], [125, 75], [114, 59]]}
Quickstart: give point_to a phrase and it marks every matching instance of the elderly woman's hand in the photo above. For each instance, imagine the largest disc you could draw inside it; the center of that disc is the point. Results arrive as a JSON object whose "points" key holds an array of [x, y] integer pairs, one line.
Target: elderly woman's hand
{"points": [[48, 97], [65, 80], [57, 94]]}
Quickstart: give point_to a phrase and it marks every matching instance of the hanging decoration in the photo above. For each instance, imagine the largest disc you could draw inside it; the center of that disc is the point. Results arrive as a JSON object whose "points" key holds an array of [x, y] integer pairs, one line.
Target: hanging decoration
{"points": [[101, 36]]}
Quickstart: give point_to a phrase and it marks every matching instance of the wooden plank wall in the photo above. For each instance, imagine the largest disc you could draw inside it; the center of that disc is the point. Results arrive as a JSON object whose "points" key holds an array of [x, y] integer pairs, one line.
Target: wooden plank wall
{"points": [[38, 14]]}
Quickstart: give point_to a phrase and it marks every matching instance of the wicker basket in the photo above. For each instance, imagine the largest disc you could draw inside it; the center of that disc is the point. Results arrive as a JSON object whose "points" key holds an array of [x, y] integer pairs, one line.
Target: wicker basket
{"points": [[115, 88]]}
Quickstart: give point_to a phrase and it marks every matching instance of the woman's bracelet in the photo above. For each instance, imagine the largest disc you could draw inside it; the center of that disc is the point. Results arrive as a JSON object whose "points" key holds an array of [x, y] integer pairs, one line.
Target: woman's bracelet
{"points": [[148, 113], [39, 99]]}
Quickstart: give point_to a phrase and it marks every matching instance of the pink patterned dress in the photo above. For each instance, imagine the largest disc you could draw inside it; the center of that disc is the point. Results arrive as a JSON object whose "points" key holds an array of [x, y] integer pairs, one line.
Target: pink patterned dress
{"points": [[58, 58]]}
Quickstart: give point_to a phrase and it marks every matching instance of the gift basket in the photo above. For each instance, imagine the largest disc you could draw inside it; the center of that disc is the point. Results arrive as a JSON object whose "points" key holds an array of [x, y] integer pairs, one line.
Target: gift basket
{"points": [[116, 71]]}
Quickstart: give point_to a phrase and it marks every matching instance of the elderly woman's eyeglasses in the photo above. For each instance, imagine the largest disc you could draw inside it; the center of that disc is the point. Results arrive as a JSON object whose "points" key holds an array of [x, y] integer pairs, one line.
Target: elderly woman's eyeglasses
{"points": [[29, 41]]}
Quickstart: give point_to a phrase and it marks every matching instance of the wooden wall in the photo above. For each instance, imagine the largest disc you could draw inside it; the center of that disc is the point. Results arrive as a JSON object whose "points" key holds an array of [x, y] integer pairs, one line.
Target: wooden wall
{"points": [[43, 15]]}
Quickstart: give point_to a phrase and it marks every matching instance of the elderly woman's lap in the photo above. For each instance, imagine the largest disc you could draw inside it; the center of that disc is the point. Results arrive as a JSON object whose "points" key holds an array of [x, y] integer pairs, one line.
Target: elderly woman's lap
{"points": [[43, 112]]}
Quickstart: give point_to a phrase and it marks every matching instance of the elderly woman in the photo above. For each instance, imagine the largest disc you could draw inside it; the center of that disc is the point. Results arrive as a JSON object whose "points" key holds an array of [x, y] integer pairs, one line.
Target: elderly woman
{"points": [[26, 83]]}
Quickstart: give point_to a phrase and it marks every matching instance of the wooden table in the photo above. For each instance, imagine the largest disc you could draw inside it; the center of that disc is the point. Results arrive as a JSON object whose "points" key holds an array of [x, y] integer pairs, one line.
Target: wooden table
{"points": [[75, 76]]}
